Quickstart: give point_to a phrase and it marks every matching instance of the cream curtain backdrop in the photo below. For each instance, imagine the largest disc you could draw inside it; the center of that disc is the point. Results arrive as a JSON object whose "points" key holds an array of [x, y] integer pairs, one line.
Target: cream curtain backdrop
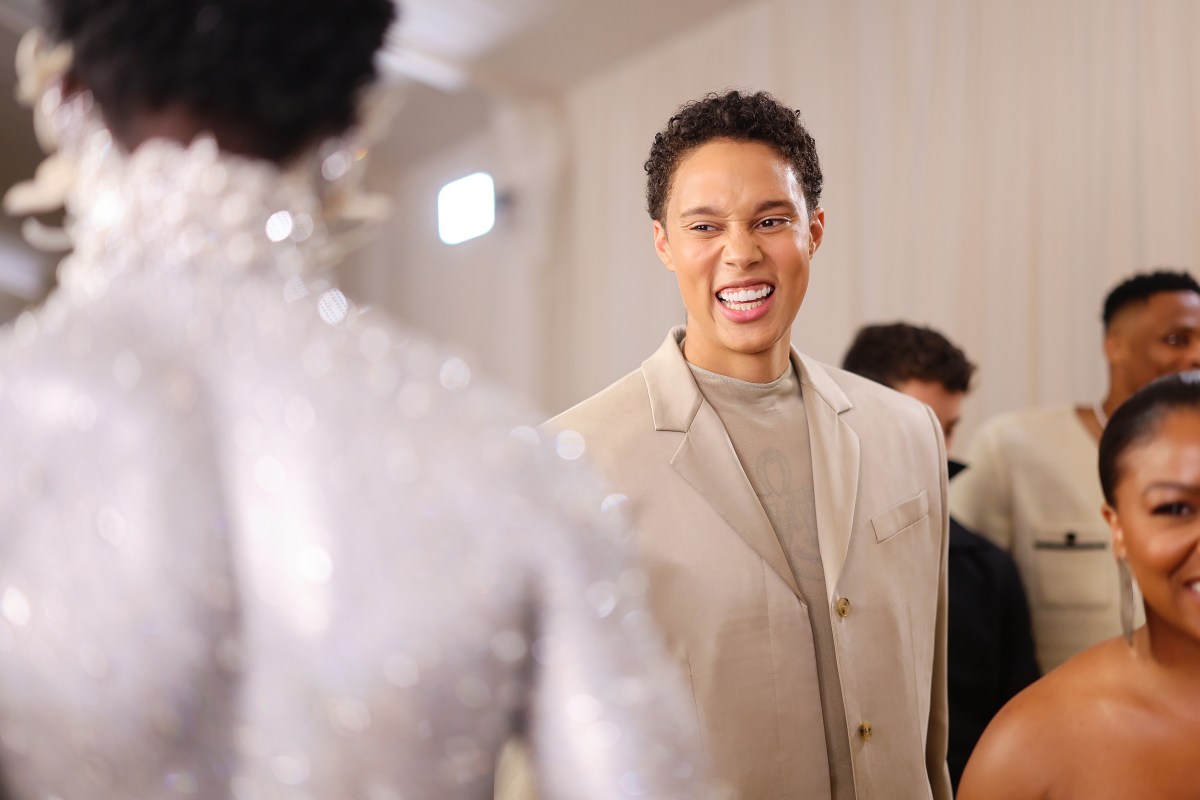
{"points": [[992, 168], [488, 295]]}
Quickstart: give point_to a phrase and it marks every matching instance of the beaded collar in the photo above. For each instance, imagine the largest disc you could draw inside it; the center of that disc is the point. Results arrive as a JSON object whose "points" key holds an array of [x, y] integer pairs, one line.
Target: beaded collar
{"points": [[168, 206]]}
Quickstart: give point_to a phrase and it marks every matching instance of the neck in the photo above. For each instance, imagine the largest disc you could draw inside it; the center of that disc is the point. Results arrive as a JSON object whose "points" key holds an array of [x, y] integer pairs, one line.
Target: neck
{"points": [[1117, 394], [762, 367], [1173, 650], [179, 125]]}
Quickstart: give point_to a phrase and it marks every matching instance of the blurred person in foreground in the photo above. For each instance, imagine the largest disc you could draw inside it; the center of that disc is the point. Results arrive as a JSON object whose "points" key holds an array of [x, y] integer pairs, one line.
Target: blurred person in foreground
{"points": [[1122, 719], [790, 516], [990, 643], [1032, 489], [253, 542]]}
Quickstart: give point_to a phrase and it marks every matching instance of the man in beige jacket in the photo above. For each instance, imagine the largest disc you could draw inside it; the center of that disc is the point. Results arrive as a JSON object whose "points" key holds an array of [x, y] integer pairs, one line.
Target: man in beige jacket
{"points": [[790, 517]]}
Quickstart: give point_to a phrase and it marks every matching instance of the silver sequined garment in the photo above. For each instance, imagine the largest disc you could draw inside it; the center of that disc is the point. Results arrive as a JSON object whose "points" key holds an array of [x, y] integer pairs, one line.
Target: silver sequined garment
{"points": [[255, 543]]}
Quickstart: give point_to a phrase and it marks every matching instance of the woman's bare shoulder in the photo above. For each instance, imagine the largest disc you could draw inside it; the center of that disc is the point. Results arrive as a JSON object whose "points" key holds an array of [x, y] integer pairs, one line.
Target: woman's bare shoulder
{"points": [[1045, 729]]}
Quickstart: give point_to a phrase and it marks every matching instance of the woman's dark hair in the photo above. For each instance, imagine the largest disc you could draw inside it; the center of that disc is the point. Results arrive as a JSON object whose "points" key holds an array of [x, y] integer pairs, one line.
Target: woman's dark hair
{"points": [[1138, 418], [757, 117], [273, 75]]}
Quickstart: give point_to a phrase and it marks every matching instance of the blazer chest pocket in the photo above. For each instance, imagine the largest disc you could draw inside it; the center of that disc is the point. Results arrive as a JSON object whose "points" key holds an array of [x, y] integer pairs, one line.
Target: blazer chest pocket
{"points": [[900, 517], [1074, 567]]}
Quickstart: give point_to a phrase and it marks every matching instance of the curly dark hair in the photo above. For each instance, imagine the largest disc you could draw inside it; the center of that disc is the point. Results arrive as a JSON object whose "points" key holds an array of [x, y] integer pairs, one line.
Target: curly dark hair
{"points": [[896, 353], [1140, 287], [273, 76], [757, 117]]}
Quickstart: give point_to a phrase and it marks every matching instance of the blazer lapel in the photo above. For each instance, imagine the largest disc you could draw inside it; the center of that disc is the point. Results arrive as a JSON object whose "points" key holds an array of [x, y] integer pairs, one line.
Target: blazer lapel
{"points": [[706, 458], [835, 455]]}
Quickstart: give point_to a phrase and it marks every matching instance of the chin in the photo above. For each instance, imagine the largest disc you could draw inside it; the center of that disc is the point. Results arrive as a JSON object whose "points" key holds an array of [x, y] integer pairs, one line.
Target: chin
{"points": [[752, 343]]}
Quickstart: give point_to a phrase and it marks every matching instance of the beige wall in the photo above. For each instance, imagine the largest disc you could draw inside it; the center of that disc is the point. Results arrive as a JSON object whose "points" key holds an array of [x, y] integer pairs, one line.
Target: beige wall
{"points": [[490, 296], [991, 169]]}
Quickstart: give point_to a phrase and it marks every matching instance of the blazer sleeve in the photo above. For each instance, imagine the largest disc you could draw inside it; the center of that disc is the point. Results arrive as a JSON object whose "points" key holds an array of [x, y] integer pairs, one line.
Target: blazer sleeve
{"points": [[938, 733]]}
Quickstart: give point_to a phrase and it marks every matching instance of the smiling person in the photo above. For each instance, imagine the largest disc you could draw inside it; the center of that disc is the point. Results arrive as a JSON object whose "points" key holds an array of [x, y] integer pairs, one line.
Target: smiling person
{"points": [[790, 516], [1032, 485], [1139, 698]]}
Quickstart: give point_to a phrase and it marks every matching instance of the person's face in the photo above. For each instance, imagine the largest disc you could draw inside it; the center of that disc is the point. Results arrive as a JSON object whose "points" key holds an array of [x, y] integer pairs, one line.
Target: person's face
{"points": [[739, 238], [946, 405], [1156, 522], [1157, 337]]}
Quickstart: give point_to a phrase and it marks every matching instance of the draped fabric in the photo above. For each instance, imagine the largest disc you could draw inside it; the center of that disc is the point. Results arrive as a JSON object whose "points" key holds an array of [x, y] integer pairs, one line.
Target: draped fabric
{"points": [[258, 542]]}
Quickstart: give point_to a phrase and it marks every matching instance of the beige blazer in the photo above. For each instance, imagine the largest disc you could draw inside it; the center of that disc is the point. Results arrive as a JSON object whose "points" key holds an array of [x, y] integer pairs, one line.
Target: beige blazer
{"points": [[728, 604]]}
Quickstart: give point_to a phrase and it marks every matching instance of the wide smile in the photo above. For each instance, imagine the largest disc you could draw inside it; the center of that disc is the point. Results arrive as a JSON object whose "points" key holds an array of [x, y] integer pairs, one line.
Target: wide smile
{"points": [[746, 298], [745, 303]]}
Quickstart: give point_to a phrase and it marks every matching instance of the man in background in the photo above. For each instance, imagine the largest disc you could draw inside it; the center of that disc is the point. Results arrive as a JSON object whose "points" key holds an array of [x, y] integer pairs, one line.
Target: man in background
{"points": [[990, 651], [1033, 488]]}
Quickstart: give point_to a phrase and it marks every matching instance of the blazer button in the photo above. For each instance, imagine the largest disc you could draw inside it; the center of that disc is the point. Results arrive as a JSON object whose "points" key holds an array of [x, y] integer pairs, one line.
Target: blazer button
{"points": [[866, 731], [843, 607]]}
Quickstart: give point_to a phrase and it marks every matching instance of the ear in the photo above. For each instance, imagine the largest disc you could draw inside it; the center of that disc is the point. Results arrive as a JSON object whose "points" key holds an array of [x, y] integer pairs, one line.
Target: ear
{"points": [[662, 246], [816, 230], [1114, 346], [1114, 525]]}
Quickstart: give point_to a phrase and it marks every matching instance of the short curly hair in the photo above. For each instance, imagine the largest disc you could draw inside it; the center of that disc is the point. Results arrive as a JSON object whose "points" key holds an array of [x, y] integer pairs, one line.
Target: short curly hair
{"points": [[1141, 287], [757, 117], [896, 353], [273, 75]]}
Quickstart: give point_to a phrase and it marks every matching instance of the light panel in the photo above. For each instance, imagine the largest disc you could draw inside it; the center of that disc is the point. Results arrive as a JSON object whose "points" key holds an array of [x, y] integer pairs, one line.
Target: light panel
{"points": [[466, 208]]}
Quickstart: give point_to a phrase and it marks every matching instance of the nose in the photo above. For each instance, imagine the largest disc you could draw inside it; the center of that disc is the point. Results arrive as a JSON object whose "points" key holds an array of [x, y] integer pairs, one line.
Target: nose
{"points": [[741, 248], [1193, 355]]}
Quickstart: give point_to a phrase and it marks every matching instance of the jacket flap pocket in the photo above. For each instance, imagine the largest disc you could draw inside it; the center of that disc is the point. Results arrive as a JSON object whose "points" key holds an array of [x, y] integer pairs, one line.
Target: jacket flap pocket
{"points": [[900, 516], [1074, 567]]}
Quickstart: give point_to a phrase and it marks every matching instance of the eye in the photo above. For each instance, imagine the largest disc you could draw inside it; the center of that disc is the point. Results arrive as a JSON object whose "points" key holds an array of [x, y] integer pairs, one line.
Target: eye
{"points": [[1177, 339], [703, 227], [774, 222], [1179, 508]]}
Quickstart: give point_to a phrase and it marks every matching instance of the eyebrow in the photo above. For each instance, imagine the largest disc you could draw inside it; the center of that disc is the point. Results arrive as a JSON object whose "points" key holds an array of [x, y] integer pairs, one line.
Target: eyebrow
{"points": [[1172, 486], [766, 205]]}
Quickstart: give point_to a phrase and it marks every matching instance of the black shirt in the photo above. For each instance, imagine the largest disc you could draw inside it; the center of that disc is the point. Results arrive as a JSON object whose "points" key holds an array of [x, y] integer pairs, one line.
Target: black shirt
{"points": [[990, 654]]}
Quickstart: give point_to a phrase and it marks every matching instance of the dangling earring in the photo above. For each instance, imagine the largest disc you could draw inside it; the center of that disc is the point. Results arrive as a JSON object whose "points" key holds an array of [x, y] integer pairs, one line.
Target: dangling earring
{"points": [[1126, 580]]}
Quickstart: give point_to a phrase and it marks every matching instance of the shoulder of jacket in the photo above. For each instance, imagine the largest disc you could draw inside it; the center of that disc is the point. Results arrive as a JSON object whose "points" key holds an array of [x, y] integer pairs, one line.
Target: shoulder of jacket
{"points": [[619, 399], [1038, 421], [870, 397]]}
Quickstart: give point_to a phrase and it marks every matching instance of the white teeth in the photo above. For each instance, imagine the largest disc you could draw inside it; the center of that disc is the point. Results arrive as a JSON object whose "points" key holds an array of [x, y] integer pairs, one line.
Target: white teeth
{"points": [[744, 295]]}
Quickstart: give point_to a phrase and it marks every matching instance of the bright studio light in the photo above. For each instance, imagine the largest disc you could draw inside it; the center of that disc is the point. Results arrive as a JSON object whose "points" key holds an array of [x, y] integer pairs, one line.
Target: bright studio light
{"points": [[466, 208]]}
